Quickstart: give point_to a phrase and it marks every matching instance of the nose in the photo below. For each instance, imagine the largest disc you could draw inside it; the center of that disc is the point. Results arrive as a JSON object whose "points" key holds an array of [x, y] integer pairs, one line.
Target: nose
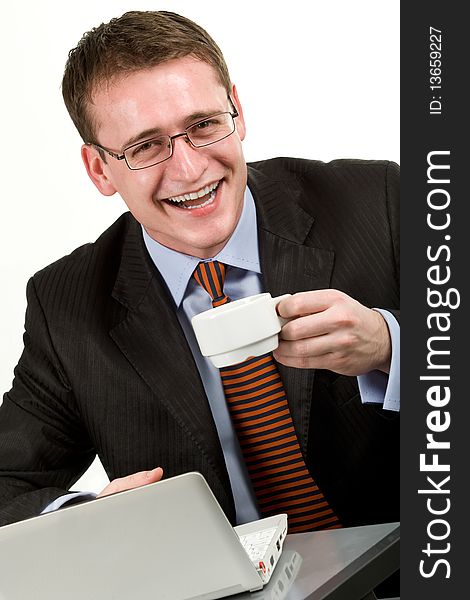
{"points": [[187, 163]]}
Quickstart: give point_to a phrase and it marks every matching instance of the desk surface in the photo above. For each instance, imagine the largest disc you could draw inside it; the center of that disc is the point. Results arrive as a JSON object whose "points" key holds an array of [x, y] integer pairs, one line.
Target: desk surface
{"points": [[344, 564]]}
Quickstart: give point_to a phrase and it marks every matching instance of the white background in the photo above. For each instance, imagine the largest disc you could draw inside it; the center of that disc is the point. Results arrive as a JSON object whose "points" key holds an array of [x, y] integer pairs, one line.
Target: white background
{"points": [[316, 79]]}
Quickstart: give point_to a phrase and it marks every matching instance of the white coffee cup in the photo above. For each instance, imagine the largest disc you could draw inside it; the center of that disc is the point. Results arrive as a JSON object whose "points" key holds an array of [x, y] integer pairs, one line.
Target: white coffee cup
{"points": [[238, 330]]}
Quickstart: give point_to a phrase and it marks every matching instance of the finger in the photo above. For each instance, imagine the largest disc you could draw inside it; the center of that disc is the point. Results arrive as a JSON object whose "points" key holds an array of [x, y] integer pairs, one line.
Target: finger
{"points": [[310, 347], [339, 342], [306, 303], [309, 326], [304, 362], [132, 481]]}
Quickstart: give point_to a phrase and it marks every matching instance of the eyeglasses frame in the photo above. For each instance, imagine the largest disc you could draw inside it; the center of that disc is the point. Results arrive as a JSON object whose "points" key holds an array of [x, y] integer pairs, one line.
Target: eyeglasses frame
{"points": [[184, 133]]}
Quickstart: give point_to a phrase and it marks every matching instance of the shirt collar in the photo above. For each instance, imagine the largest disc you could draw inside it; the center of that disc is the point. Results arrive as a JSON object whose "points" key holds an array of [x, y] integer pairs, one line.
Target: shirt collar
{"points": [[240, 251]]}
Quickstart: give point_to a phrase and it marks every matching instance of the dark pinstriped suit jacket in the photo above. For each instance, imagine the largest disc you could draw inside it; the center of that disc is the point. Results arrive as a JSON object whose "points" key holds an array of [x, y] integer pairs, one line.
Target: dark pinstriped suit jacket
{"points": [[106, 367]]}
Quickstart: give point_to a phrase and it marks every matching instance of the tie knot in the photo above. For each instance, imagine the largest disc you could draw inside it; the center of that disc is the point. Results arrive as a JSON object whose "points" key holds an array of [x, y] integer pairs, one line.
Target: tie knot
{"points": [[211, 276]]}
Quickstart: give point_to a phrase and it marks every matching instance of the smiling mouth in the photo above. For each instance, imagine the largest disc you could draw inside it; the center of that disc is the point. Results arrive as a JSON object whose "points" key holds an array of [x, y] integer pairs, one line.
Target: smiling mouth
{"points": [[198, 199]]}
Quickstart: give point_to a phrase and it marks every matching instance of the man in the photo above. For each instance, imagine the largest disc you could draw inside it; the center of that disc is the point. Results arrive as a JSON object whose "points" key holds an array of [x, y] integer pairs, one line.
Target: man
{"points": [[110, 364]]}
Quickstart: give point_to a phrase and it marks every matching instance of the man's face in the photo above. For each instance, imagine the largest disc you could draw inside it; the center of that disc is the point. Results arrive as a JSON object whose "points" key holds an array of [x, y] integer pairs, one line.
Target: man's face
{"points": [[168, 98]]}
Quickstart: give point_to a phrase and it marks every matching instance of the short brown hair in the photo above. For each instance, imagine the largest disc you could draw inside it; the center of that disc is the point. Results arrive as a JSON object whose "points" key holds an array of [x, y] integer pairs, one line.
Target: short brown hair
{"points": [[136, 40]]}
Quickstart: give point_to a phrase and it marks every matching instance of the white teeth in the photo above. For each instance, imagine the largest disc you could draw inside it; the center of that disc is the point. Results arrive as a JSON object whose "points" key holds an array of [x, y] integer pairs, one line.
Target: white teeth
{"points": [[211, 199], [195, 195]]}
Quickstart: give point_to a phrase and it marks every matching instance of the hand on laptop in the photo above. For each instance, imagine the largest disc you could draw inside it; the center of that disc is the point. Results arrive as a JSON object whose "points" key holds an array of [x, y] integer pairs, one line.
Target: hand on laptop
{"points": [[132, 481]]}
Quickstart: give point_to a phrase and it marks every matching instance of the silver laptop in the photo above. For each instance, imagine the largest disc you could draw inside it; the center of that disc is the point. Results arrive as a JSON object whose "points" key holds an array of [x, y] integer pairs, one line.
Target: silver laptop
{"points": [[281, 582], [169, 540]]}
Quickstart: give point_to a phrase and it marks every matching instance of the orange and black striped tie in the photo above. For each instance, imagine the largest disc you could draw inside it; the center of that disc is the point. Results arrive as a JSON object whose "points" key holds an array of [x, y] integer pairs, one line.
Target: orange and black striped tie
{"points": [[261, 417]]}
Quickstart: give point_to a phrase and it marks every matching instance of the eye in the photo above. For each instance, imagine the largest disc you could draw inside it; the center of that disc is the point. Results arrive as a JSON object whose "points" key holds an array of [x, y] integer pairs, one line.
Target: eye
{"points": [[144, 147], [207, 124], [149, 146]]}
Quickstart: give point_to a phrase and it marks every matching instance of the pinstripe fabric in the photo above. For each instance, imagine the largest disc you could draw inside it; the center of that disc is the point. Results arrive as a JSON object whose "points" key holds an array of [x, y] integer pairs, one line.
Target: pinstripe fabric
{"points": [[258, 407], [107, 369]]}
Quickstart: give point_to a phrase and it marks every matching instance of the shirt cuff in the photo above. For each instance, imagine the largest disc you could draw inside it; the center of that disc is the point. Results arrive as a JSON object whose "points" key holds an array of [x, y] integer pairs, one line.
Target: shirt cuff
{"points": [[72, 498], [377, 387]]}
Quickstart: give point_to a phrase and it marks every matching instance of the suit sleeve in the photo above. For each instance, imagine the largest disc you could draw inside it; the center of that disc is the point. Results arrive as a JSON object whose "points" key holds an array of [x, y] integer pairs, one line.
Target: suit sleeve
{"points": [[393, 210], [376, 387], [43, 446]]}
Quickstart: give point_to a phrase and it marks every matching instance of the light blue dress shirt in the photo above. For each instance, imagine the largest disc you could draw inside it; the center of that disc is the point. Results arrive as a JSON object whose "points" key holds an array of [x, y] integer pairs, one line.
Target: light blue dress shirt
{"points": [[245, 279]]}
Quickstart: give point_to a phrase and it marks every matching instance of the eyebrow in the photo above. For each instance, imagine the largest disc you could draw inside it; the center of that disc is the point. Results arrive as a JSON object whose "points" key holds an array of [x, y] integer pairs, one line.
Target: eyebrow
{"points": [[154, 131], [143, 135]]}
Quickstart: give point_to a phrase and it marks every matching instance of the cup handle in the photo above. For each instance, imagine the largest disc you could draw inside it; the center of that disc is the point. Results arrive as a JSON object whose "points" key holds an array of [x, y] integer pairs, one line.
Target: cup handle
{"points": [[276, 301]]}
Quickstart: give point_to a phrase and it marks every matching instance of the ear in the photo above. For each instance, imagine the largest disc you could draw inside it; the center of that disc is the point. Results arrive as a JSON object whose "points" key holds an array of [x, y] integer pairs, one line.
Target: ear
{"points": [[95, 167], [240, 121]]}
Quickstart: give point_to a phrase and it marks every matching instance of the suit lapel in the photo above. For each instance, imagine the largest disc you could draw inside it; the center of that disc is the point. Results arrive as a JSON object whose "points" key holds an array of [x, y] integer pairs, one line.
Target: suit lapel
{"points": [[289, 265], [152, 340]]}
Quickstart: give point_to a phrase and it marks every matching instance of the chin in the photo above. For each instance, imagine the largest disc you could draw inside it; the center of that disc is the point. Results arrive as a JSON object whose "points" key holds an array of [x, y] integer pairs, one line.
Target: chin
{"points": [[210, 247]]}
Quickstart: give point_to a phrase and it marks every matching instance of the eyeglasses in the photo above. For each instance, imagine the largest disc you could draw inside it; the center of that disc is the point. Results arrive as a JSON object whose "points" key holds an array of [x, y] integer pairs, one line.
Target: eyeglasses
{"points": [[155, 150]]}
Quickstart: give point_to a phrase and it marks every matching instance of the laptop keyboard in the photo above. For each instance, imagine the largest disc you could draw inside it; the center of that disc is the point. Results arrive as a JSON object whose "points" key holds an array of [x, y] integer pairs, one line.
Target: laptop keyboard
{"points": [[257, 543]]}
